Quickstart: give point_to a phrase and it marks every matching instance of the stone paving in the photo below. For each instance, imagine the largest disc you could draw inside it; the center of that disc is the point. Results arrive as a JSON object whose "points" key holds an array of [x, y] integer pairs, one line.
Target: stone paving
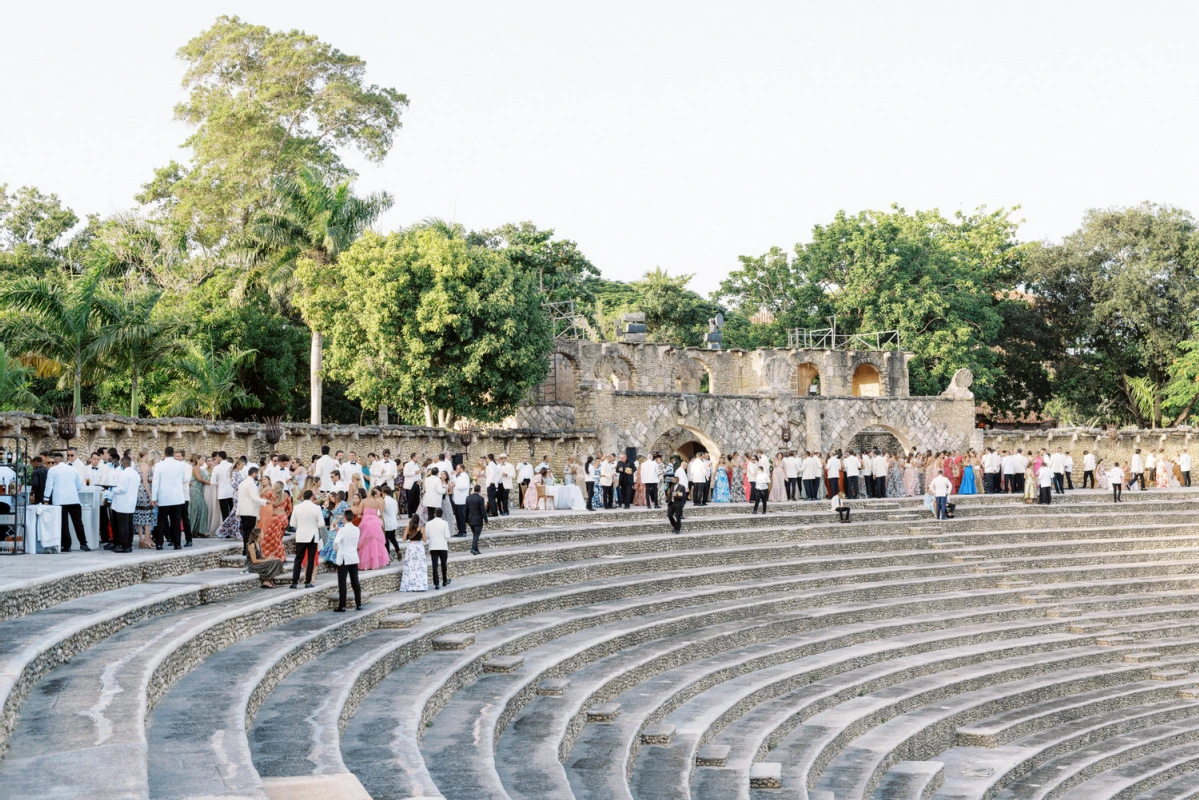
{"points": [[1014, 652]]}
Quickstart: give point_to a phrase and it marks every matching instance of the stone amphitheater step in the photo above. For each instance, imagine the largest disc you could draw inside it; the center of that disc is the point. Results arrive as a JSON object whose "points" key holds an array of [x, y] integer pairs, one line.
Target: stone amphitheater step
{"points": [[757, 680], [911, 780], [36, 643], [1184, 787], [1137, 777]]}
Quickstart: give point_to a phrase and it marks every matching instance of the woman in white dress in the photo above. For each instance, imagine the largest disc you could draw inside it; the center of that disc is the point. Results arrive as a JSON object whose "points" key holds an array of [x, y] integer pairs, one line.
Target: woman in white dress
{"points": [[415, 577]]}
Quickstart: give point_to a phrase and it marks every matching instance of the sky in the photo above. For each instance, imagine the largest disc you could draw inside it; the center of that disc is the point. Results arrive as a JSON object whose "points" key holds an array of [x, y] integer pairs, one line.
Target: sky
{"points": [[678, 135]]}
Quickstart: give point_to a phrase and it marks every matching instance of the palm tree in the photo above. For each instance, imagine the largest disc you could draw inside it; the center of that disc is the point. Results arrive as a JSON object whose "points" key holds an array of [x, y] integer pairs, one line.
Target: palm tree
{"points": [[137, 336], [315, 217], [208, 384], [53, 323], [14, 384]]}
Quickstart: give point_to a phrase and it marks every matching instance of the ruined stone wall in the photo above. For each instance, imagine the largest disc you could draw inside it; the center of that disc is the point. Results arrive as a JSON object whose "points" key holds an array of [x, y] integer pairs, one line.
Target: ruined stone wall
{"points": [[1111, 446]]}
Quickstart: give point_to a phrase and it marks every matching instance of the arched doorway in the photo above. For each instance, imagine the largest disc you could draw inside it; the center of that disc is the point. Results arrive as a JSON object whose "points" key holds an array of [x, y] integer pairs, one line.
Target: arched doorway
{"points": [[806, 379], [692, 377], [882, 437], [684, 441], [867, 382]]}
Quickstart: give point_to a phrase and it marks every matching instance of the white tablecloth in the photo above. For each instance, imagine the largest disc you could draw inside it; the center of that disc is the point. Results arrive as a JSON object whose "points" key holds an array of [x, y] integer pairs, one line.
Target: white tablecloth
{"points": [[567, 498], [43, 525]]}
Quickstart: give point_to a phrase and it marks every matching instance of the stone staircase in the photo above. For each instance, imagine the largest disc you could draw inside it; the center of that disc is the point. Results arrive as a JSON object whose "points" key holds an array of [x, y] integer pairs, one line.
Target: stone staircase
{"points": [[1013, 652]]}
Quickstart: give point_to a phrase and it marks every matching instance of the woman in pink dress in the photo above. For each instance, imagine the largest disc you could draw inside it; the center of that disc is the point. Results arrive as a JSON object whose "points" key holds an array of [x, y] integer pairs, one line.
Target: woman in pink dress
{"points": [[372, 547], [530, 499]]}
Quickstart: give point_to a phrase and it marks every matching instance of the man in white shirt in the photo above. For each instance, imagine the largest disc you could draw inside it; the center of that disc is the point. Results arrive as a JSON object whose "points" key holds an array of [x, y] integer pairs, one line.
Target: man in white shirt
{"points": [[345, 546], [880, 474], [1116, 477], [459, 489], [1057, 464], [169, 493], [412, 485], [1007, 471], [338, 483], [1068, 472], [853, 468], [608, 480], [761, 485], [493, 478], [1088, 469], [990, 471], [792, 466], [524, 475], [941, 487], [280, 471], [650, 472], [434, 490], [436, 532], [1019, 465], [832, 469], [126, 481], [507, 480], [308, 521], [391, 520], [1138, 470], [1150, 479], [1184, 466], [867, 473], [350, 467], [545, 464], [680, 474], [444, 464], [224, 484], [323, 470], [63, 486], [810, 467], [696, 477], [1045, 480], [385, 471], [77, 464], [249, 502]]}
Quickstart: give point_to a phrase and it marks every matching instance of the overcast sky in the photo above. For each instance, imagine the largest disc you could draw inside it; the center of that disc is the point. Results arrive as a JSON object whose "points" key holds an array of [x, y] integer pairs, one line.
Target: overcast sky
{"points": [[679, 135]]}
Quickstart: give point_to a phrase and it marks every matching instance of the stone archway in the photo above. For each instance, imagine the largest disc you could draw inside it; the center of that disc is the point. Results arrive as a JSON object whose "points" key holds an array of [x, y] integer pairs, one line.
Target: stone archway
{"points": [[685, 441], [884, 437], [867, 381]]}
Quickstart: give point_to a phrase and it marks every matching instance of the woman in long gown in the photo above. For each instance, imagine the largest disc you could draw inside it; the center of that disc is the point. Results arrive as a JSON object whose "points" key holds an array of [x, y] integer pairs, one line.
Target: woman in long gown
{"points": [[747, 476], [272, 536], [266, 514], [530, 499], [721, 492], [1101, 479], [144, 515], [778, 481], [335, 519], [415, 576], [1031, 489], [230, 527], [197, 508], [953, 469], [597, 491], [736, 479], [930, 472], [967, 486], [211, 503], [1164, 471], [910, 487], [639, 494], [372, 547], [894, 478]]}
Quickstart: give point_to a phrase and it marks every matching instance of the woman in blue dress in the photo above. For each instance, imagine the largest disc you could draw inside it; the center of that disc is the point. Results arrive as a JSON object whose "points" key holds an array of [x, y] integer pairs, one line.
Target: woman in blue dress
{"points": [[335, 519], [721, 491], [967, 486]]}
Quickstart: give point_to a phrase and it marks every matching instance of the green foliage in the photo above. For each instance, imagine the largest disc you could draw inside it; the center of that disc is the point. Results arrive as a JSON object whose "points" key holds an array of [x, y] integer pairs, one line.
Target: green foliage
{"points": [[425, 323], [775, 283], [138, 337], [673, 313], [34, 220], [56, 324], [207, 384], [264, 104], [1118, 297], [14, 384]]}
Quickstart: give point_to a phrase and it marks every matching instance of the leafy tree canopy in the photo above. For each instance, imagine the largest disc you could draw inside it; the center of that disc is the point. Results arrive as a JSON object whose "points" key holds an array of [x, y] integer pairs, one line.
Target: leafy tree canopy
{"points": [[263, 105], [429, 325]]}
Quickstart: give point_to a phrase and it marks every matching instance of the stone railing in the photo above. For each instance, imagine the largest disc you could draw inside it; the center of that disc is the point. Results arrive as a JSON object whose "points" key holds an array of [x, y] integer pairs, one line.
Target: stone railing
{"points": [[1110, 445]]}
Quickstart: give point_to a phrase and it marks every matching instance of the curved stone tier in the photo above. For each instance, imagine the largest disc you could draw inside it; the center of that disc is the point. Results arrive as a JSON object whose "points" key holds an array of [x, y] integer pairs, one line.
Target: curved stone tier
{"points": [[1014, 652]]}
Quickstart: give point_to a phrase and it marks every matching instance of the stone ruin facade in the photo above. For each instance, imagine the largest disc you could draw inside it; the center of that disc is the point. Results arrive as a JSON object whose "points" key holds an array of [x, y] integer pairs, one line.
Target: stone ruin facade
{"points": [[657, 397], [616, 395]]}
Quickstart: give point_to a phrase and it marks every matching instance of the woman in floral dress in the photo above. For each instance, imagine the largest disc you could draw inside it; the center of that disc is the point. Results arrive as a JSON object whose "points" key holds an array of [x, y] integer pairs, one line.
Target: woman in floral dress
{"points": [[639, 495], [894, 478], [721, 492], [737, 479], [272, 533], [231, 525], [415, 576]]}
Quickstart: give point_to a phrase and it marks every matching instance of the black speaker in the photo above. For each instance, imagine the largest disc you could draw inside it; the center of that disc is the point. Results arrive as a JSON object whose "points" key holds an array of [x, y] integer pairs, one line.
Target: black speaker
{"points": [[631, 452], [457, 458]]}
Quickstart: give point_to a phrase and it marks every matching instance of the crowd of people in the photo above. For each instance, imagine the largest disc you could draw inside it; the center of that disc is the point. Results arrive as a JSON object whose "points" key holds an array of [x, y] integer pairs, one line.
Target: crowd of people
{"points": [[347, 513]]}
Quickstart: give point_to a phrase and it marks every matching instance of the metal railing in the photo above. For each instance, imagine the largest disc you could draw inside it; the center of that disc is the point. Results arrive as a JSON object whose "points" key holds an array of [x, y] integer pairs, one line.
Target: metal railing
{"points": [[829, 339]]}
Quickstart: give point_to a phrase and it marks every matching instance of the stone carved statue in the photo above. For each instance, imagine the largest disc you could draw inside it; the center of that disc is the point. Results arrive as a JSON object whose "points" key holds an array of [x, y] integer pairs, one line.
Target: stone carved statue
{"points": [[959, 385]]}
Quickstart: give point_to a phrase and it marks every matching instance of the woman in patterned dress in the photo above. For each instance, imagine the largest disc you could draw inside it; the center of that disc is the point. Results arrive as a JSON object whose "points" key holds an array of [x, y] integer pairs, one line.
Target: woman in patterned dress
{"points": [[144, 515], [272, 534], [415, 575], [231, 525], [894, 478], [721, 492], [737, 479], [639, 494]]}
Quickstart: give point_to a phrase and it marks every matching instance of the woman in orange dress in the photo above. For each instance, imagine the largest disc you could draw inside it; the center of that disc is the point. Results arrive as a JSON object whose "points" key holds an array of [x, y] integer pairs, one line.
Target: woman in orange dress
{"points": [[269, 519]]}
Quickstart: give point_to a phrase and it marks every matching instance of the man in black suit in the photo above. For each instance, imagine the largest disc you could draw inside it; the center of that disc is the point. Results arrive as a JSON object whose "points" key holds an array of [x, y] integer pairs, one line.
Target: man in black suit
{"points": [[676, 498], [476, 516], [625, 471]]}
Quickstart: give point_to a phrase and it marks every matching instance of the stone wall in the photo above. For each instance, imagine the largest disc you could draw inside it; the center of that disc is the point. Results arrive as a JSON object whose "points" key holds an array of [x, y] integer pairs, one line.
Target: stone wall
{"points": [[1111, 446]]}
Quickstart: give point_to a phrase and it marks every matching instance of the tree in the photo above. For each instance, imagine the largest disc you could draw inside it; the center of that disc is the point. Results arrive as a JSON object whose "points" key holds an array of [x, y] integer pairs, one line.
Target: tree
{"points": [[773, 282], [429, 325], [264, 104], [208, 384], [1118, 297], [14, 384], [33, 219], [55, 323], [673, 313], [311, 218], [560, 268], [137, 337]]}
